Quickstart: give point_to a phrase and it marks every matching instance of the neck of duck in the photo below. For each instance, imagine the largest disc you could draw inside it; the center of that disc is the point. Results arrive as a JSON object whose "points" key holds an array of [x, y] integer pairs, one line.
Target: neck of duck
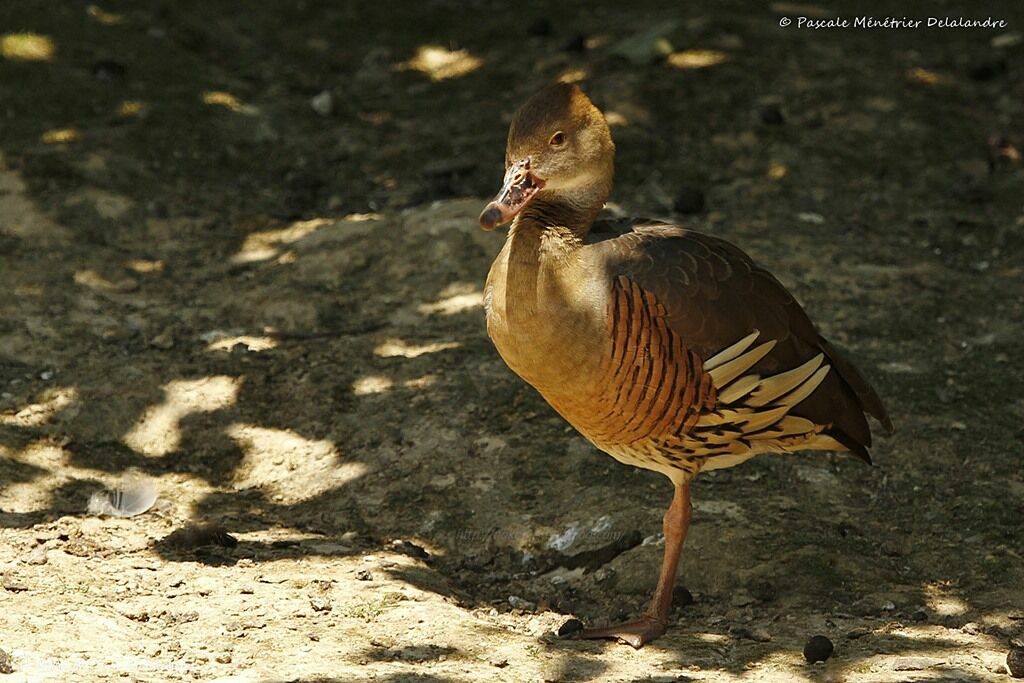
{"points": [[543, 240], [544, 317]]}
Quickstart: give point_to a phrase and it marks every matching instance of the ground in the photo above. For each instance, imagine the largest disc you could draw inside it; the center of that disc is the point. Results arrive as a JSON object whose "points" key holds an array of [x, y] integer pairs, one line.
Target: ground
{"points": [[239, 257]]}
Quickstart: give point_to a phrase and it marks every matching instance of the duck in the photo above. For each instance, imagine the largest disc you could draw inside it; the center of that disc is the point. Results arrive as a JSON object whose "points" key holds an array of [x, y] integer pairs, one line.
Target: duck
{"points": [[666, 348]]}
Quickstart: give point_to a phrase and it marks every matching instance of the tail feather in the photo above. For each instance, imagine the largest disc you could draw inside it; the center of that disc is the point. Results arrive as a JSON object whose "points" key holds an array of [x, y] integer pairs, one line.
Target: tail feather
{"points": [[864, 392]]}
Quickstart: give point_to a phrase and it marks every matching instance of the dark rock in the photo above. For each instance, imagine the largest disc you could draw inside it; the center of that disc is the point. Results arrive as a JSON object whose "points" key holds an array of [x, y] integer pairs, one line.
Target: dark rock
{"points": [[763, 591], [577, 43], [772, 115], [6, 663], [320, 604], [758, 635], [915, 663], [688, 200], [411, 549], [592, 560], [1015, 661], [681, 597], [541, 26], [570, 628], [108, 70], [194, 536], [987, 70], [818, 649]]}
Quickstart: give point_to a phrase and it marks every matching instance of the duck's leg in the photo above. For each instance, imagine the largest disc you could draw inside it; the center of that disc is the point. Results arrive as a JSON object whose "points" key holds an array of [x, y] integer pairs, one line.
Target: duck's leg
{"points": [[655, 620]]}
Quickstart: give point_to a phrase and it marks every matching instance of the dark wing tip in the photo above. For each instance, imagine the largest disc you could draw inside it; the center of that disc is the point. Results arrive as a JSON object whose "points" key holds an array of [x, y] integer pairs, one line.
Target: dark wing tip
{"points": [[852, 445]]}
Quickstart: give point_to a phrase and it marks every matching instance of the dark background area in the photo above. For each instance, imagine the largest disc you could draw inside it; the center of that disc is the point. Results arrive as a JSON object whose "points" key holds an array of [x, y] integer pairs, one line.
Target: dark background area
{"points": [[238, 254]]}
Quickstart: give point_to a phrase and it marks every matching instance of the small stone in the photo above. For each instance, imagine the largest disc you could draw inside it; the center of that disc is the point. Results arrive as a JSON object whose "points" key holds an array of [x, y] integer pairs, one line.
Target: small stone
{"points": [[519, 603], [688, 200], [1005, 40], [6, 663], [758, 635], [364, 575], [197, 535], [648, 46], [499, 662], [411, 549], [163, 341], [223, 659], [570, 628], [682, 597], [772, 115], [742, 598], [818, 649], [987, 70], [323, 103], [37, 556], [577, 43], [541, 26], [914, 663], [1015, 661], [320, 604], [888, 606], [108, 70], [810, 217]]}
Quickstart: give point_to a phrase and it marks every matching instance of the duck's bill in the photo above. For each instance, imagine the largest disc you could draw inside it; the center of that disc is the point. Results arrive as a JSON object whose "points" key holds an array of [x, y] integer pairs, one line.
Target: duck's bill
{"points": [[519, 186]]}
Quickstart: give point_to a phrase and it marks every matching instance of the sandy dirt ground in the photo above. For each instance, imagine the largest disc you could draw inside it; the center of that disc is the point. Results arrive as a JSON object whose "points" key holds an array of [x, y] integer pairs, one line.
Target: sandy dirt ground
{"points": [[239, 257]]}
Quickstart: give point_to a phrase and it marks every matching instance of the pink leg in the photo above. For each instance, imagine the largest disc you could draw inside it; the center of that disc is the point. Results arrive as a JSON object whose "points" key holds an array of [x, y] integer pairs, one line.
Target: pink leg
{"points": [[655, 620]]}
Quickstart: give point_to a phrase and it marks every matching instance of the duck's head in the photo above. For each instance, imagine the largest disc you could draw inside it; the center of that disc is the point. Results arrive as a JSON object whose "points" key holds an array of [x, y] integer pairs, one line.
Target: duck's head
{"points": [[559, 153]]}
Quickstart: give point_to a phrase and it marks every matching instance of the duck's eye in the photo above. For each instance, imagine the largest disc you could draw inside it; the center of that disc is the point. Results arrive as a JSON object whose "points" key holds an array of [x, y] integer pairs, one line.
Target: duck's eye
{"points": [[557, 140]]}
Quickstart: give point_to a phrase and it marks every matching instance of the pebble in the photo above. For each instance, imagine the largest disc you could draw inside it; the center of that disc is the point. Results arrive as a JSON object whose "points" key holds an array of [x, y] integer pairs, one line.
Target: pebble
{"points": [[108, 70], [914, 663], [570, 628], [323, 103], [164, 341], [196, 535], [818, 649], [772, 115], [364, 575], [987, 70], [6, 663], [758, 635], [411, 549], [37, 556], [320, 604], [741, 598], [1015, 661], [688, 200], [541, 26], [577, 43], [519, 603], [681, 596]]}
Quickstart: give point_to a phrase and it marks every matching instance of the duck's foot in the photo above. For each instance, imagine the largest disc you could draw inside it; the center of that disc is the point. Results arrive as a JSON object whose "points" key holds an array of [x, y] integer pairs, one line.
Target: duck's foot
{"points": [[635, 633]]}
